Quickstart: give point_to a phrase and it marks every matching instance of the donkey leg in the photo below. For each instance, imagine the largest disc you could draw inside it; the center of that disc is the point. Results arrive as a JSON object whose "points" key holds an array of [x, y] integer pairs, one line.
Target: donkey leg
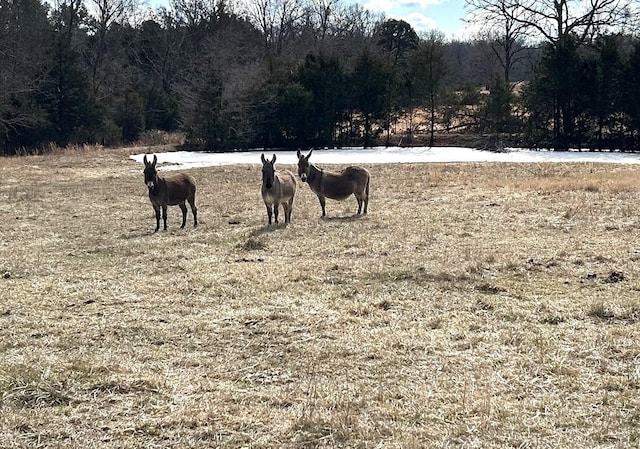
{"points": [[363, 201], [183, 208], [366, 197], [287, 212], [290, 204], [269, 212], [157, 211], [194, 211], [322, 202], [164, 216], [359, 199], [276, 206]]}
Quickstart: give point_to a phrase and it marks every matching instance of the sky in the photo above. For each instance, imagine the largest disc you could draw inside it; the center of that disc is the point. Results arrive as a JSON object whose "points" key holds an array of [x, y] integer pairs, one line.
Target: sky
{"points": [[446, 16], [179, 160], [424, 15]]}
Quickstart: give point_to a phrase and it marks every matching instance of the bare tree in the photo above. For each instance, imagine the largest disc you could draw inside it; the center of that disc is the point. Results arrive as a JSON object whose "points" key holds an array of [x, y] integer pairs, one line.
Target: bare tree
{"points": [[277, 21], [105, 14], [353, 20], [565, 26], [505, 34], [352, 31], [194, 13], [553, 21], [160, 52], [322, 13]]}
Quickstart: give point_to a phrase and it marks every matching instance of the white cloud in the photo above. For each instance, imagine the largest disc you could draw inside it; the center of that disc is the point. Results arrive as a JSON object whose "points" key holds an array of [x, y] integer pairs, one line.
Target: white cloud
{"points": [[422, 15], [419, 21], [380, 5], [470, 31], [388, 6], [418, 3]]}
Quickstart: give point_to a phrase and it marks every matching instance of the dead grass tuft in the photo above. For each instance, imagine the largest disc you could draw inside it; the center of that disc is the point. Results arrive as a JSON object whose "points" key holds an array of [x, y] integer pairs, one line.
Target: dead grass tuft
{"points": [[24, 386], [613, 311], [253, 244]]}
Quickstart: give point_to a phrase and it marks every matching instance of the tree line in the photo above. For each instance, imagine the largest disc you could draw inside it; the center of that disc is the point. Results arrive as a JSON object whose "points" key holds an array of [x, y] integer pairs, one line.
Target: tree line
{"points": [[302, 73]]}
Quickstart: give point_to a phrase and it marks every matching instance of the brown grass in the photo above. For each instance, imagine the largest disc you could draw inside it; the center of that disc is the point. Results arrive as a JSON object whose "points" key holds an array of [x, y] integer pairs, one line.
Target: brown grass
{"points": [[477, 305]]}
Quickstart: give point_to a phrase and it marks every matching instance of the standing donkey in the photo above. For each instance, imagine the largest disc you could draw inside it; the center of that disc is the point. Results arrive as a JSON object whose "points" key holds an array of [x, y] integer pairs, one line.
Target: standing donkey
{"points": [[278, 187], [169, 191], [337, 186]]}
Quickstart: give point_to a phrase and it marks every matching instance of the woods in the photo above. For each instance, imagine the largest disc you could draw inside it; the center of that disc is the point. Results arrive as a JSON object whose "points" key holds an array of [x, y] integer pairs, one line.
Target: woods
{"points": [[302, 73]]}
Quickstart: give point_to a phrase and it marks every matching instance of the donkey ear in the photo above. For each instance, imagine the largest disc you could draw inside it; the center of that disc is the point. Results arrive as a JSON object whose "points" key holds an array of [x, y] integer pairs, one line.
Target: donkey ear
{"points": [[299, 154], [264, 161], [155, 159], [273, 161], [309, 155], [146, 162]]}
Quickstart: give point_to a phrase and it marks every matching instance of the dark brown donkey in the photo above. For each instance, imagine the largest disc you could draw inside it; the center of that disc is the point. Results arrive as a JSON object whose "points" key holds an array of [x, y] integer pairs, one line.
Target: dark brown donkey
{"points": [[172, 190], [337, 186], [278, 187]]}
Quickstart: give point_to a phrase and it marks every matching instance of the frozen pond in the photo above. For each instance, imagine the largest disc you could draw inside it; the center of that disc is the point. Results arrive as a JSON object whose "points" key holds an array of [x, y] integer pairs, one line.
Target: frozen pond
{"points": [[388, 155]]}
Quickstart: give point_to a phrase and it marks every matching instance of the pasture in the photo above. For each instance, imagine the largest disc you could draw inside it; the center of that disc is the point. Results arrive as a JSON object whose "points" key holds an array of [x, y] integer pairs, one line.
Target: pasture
{"points": [[475, 306]]}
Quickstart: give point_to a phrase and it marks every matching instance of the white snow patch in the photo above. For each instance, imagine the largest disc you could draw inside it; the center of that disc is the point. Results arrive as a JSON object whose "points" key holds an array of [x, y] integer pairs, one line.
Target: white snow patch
{"points": [[387, 155]]}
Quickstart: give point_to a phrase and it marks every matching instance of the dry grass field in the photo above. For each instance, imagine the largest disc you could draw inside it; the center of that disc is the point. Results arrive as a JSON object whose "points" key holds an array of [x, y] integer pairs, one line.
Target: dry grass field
{"points": [[476, 306]]}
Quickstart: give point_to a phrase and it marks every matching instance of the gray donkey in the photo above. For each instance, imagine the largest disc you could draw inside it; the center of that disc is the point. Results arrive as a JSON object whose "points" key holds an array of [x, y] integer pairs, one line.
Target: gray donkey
{"points": [[337, 186], [173, 190], [278, 187]]}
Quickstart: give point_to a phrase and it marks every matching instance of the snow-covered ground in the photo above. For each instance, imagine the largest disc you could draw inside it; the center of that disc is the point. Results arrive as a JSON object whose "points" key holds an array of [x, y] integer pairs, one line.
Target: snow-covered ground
{"points": [[388, 155]]}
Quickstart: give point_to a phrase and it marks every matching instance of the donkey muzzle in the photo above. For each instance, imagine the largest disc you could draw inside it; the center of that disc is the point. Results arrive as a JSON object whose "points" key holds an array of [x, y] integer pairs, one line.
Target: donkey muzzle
{"points": [[303, 177]]}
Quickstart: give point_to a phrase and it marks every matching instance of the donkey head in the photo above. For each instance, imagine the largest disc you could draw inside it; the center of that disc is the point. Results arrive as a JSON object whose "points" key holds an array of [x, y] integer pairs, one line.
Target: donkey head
{"points": [[303, 165], [268, 171], [150, 172]]}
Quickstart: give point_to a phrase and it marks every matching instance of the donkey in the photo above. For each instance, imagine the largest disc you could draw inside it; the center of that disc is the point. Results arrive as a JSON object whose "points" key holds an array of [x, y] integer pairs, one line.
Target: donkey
{"points": [[278, 187], [337, 186], [169, 191]]}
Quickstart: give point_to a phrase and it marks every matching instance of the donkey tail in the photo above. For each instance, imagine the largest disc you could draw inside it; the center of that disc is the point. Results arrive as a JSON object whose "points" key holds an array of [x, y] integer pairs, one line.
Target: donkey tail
{"points": [[366, 190]]}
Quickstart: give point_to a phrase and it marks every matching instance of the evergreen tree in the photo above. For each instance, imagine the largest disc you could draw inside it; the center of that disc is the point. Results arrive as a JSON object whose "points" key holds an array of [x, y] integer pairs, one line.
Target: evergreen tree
{"points": [[130, 116], [369, 82], [25, 49], [323, 77], [599, 91], [427, 71], [629, 101], [551, 99], [73, 115], [398, 40], [496, 113]]}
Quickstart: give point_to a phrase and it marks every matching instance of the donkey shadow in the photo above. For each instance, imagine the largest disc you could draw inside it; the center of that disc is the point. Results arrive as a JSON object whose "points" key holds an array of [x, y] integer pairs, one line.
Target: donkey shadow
{"points": [[136, 234], [344, 219], [268, 229]]}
